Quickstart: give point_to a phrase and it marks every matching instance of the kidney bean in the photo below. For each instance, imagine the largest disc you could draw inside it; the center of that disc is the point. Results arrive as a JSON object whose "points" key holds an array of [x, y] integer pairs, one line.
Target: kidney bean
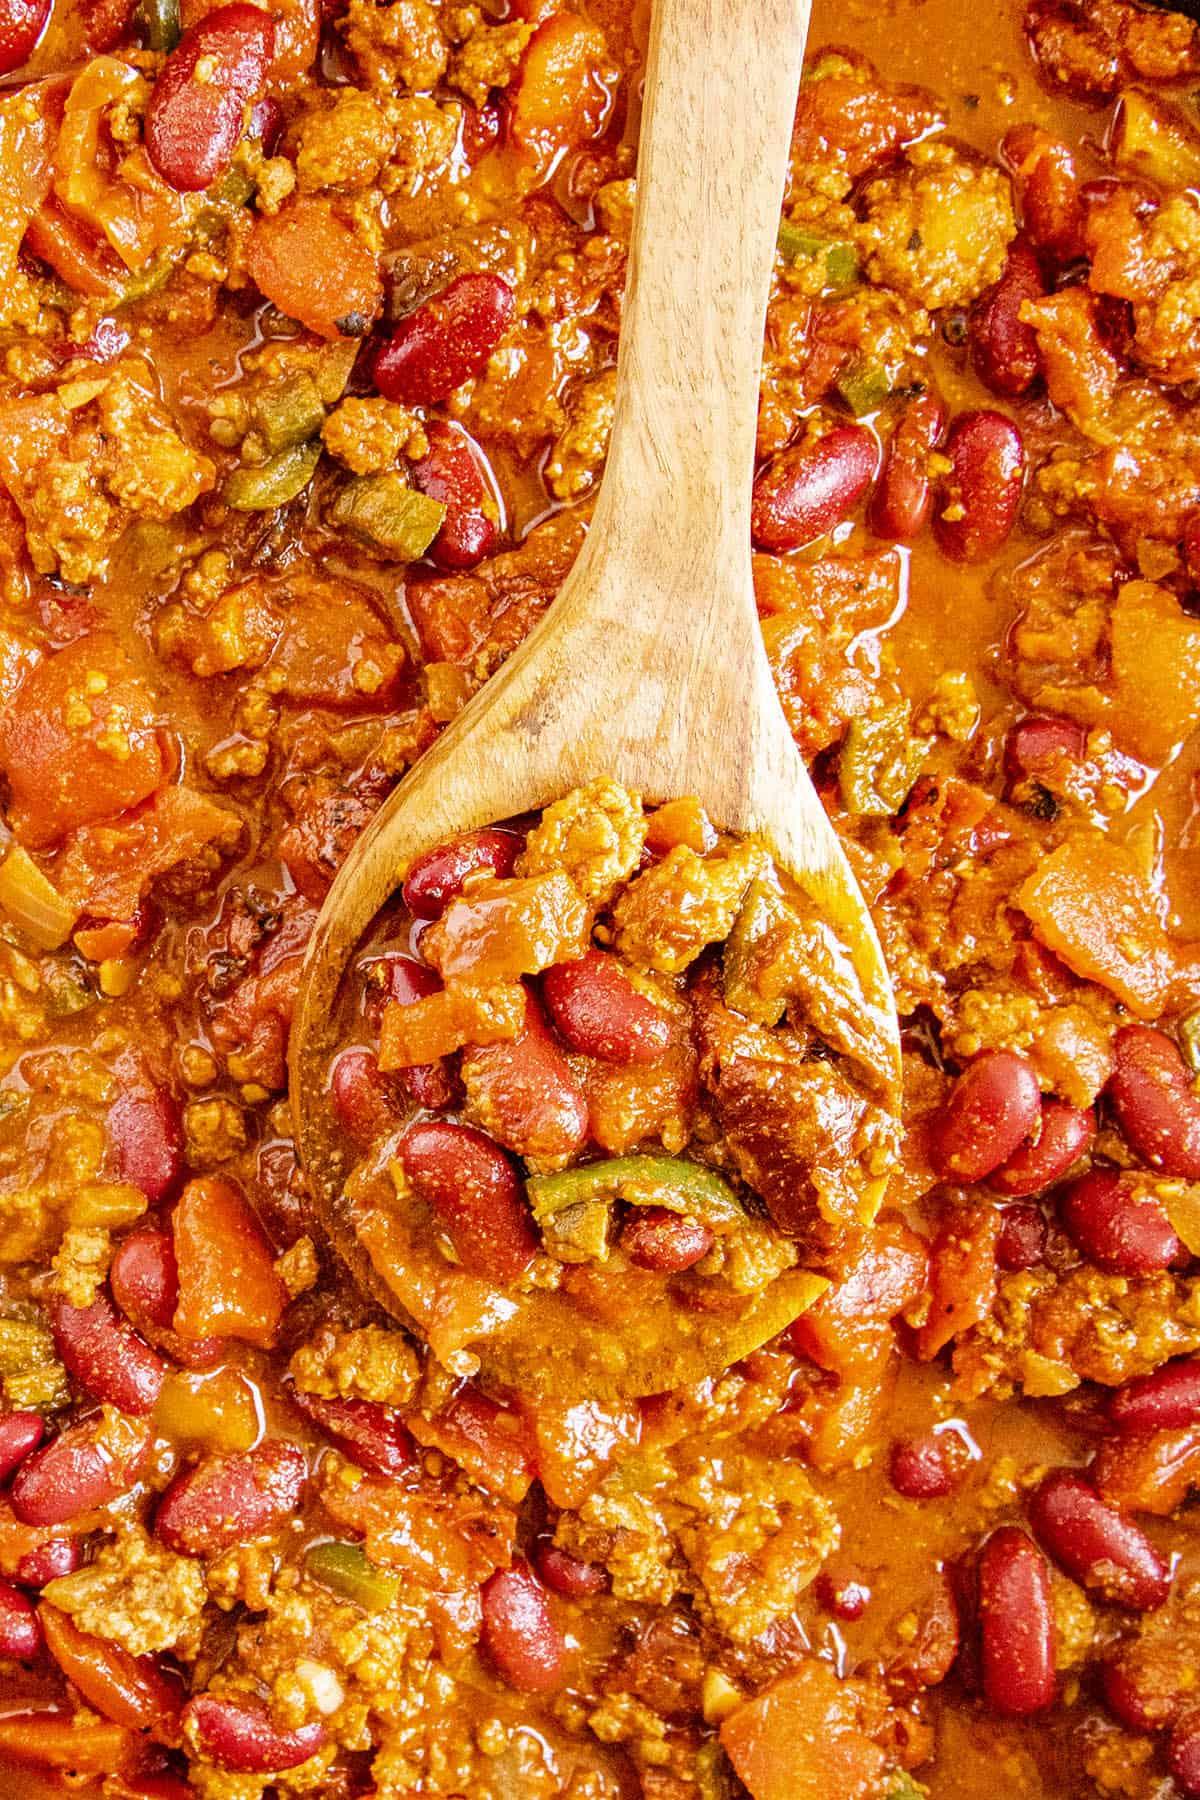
{"points": [[146, 1130], [1165, 1400], [80, 1469], [1003, 348], [1063, 1134], [1156, 1106], [1048, 189], [921, 1469], [195, 117], [1022, 1240], [444, 342], [21, 25], [527, 1091], [143, 1277], [1039, 742], [1099, 1546], [20, 1433], [1150, 1472], [451, 474], [1183, 1755], [106, 1356], [564, 1574], [656, 1238], [1142, 1698], [1016, 1625], [134, 1691], [1191, 548], [438, 877], [519, 1634], [845, 1599], [977, 502], [903, 494], [472, 1189], [600, 1013], [20, 1635], [1121, 1230], [266, 124], [363, 1098], [224, 1500], [57, 1556], [805, 491], [993, 1106], [373, 1436], [240, 1736]]}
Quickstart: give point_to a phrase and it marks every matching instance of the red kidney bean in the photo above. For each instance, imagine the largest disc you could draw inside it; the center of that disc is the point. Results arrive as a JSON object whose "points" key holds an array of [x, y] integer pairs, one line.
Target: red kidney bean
{"points": [[519, 1635], [373, 1436], [1096, 1544], [147, 1138], [1063, 1134], [239, 1735], [845, 1599], [978, 501], [600, 1013], [473, 1190], [564, 1574], [20, 1634], [903, 495], [805, 491], [656, 1238], [20, 1433], [21, 25], [1142, 1705], [106, 1356], [920, 1468], [1156, 1106], [1191, 548], [266, 124], [1016, 1625], [1121, 1230], [143, 1277], [1048, 191], [1022, 1240], [1038, 742], [993, 1106], [74, 1473], [224, 1500], [450, 474], [527, 1091], [1148, 1472], [195, 118], [1004, 349], [435, 1085], [57, 1556], [444, 342], [437, 878], [1183, 1755], [363, 1098], [1165, 1400]]}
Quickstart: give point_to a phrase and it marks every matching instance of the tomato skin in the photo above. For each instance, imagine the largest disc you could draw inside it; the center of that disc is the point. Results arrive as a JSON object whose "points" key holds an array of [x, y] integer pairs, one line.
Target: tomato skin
{"points": [[227, 1281], [78, 740]]}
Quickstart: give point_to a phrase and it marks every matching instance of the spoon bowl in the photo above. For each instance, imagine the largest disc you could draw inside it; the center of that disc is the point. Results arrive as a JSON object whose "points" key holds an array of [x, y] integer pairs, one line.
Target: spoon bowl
{"points": [[649, 668]]}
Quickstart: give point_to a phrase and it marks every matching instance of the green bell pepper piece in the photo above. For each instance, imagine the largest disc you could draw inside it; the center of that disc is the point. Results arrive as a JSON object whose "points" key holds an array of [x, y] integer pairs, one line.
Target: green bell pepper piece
{"points": [[878, 764], [275, 482], [763, 914], [159, 24], [864, 387], [385, 515], [346, 1570], [290, 412], [841, 258], [573, 1207]]}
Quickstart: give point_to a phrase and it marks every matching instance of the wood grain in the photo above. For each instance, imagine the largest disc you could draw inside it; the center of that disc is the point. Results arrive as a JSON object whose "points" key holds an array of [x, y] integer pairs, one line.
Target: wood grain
{"points": [[650, 665]]}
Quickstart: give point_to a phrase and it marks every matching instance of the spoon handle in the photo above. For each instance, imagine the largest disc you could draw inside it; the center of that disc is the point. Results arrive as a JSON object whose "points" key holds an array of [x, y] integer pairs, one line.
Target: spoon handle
{"points": [[721, 84]]}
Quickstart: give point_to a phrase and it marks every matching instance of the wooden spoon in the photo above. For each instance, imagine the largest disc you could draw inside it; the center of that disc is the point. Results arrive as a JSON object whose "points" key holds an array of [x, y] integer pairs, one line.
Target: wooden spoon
{"points": [[650, 665]]}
